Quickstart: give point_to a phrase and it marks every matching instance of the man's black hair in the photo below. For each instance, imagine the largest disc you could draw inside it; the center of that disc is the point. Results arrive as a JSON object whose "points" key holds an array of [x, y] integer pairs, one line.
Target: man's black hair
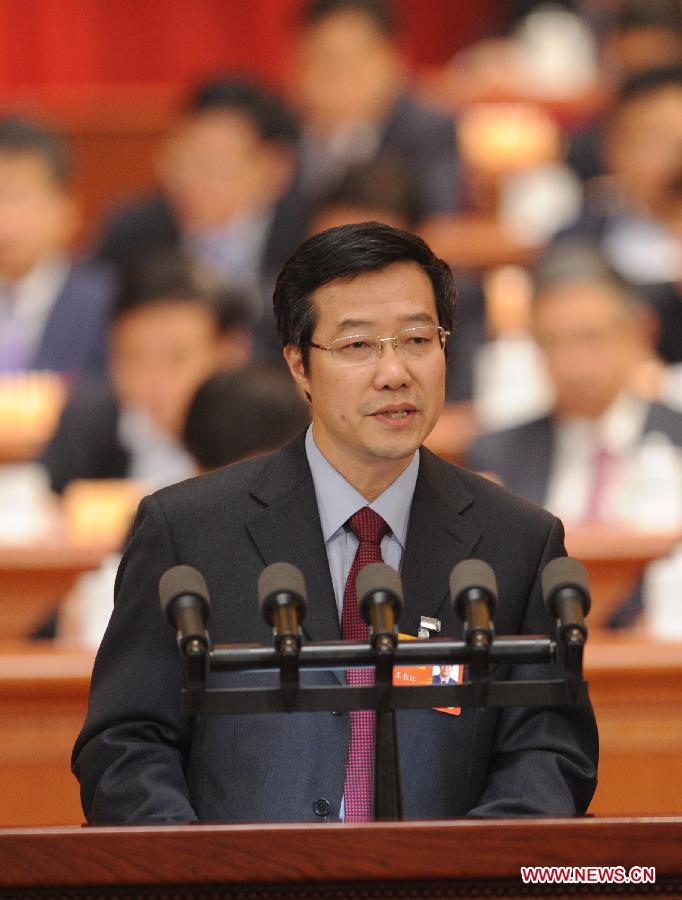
{"points": [[239, 414], [649, 81], [269, 115], [379, 11], [345, 252], [19, 136], [168, 277]]}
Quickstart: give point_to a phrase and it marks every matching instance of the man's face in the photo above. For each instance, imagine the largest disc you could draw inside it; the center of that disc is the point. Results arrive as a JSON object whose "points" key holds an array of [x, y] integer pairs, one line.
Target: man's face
{"points": [[590, 344], [216, 166], [348, 71], [644, 146], [370, 418], [445, 672], [160, 354], [37, 218]]}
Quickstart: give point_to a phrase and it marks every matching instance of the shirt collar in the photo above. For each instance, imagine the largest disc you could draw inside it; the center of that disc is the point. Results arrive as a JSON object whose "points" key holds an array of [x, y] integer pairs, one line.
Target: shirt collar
{"points": [[617, 429], [36, 291], [338, 500]]}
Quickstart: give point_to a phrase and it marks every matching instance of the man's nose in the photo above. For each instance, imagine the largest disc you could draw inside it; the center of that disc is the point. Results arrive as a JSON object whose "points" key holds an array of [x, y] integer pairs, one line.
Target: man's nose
{"points": [[391, 370]]}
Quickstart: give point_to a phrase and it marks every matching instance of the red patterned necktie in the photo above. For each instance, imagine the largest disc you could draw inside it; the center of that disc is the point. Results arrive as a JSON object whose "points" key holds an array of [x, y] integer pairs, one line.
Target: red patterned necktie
{"points": [[369, 528]]}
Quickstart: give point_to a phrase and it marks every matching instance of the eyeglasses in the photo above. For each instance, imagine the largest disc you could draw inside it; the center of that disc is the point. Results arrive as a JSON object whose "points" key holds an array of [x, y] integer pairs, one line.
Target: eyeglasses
{"points": [[412, 343]]}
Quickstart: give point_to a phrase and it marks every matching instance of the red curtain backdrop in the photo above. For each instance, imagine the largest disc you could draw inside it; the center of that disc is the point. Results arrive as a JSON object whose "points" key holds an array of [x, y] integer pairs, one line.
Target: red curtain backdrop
{"points": [[53, 47]]}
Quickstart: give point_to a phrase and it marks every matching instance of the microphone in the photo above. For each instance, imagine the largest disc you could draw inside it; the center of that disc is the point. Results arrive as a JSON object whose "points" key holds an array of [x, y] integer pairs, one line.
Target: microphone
{"points": [[566, 589], [185, 604], [283, 603], [473, 591], [380, 599]]}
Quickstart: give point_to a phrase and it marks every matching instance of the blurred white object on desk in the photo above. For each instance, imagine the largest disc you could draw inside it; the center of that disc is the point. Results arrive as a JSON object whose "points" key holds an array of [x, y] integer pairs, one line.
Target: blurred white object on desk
{"points": [[511, 385], [671, 390], [85, 612], [538, 202], [26, 508], [559, 52], [662, 597], [651, 495]]}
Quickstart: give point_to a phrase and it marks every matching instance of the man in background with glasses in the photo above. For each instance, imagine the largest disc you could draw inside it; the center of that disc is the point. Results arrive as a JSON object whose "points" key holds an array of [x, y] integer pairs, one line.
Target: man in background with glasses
{"points": [[363, 312]]}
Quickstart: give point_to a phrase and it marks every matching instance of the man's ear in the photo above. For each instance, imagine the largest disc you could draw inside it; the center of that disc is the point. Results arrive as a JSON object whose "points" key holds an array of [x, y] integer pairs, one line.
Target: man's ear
{"points": [[294, 359]]}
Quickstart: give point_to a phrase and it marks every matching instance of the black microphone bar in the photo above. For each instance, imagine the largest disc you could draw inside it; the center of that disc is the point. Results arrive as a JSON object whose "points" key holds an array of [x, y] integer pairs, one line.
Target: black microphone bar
{"points": [[356, 654]]}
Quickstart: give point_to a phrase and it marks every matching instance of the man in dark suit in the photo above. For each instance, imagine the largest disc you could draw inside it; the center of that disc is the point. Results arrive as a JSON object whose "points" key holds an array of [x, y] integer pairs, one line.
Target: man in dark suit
{"points": [[225, 172], [350, 86], [363, 312], [171, 328], [576, 460], [54, 311]]}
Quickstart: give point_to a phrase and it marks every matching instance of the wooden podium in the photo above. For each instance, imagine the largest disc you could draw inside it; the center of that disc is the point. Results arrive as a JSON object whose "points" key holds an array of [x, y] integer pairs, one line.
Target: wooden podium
{"points": [[335, 861]]}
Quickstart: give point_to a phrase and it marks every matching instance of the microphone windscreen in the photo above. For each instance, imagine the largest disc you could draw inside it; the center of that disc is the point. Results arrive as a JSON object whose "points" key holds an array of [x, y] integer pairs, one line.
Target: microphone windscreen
{"points": [[178, 581], [379, 577], [281, 578], [565, 572], [473, 573]]}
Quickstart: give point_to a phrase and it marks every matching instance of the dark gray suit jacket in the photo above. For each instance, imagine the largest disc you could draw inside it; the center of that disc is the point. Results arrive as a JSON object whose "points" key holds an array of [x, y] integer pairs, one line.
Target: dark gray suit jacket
{"points": [[139, 760], [75, 335], [522, 456]]}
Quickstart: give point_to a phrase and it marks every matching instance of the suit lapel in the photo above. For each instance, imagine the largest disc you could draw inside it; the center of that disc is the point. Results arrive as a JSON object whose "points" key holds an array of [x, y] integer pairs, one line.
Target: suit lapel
{"points": [[288, 529], [439, 536], [539, 461]]}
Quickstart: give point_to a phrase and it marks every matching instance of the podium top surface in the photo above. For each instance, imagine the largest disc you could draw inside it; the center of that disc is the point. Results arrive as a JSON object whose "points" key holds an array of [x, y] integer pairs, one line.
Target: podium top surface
{"points": [[205, 854]]}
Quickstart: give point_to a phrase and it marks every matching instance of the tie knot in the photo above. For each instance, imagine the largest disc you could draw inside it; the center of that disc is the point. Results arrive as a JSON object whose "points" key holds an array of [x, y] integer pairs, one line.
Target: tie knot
{"points": [[368, 526]]}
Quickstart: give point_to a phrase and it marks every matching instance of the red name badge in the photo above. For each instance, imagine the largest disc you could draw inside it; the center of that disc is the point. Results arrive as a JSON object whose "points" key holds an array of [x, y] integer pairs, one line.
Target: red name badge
{"points": [[445, 674]]}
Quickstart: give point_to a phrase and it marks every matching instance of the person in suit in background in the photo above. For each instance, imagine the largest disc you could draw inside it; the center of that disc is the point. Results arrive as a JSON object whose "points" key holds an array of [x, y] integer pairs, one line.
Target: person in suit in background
{"points": [[225, 173], [54, 311], [350, 88], [172, 327], [637, 35], [363, 312], [232, 416], [590, 326], [634, 213]]}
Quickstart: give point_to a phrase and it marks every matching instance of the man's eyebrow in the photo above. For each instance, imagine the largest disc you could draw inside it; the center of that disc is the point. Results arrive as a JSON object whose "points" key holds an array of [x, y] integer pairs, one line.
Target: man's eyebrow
{"points": [[352, 323], [347, 324]]}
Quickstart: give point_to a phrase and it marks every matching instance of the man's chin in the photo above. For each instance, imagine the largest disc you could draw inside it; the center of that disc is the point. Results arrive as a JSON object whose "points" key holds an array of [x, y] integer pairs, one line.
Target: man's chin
{"points": [[399, 447]]}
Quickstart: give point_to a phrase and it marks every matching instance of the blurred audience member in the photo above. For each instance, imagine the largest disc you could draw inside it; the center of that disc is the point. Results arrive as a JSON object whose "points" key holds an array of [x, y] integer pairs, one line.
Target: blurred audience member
{"points": [[639, 35], [635, 214], [381, 190], [171, 329], [350, 86], [53, 311], [643, 34], [225, 172], [235, 415], [581, 461]]}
